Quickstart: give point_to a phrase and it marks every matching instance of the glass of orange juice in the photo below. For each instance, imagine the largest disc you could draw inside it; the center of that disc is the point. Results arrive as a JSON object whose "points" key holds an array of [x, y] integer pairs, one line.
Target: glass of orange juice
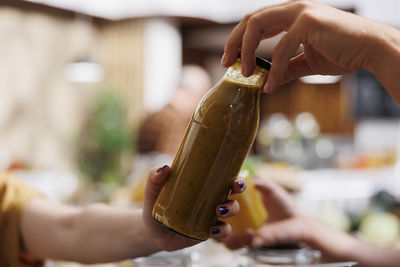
{"points": [[252, 213], [138, 189]]}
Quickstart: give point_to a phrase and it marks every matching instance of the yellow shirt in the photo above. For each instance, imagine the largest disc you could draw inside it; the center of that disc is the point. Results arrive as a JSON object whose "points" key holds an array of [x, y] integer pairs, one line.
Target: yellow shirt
{"points": [[14, 195]]}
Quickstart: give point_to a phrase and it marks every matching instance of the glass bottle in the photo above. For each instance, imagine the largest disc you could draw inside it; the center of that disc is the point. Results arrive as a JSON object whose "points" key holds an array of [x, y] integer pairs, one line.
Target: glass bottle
{"points": [[217, 140]]}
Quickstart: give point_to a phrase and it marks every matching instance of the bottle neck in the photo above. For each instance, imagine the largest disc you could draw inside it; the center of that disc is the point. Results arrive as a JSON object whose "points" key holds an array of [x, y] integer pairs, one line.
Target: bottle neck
{"points": [[256, 80]]}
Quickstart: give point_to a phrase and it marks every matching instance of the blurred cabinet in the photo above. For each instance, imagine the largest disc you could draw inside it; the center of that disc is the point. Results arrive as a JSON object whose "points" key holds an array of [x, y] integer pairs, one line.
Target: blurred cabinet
{"points": [[329, 103]]}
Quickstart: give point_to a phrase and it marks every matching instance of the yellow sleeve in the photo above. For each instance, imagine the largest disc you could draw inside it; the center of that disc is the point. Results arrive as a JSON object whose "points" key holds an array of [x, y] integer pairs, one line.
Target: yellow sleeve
{"points": [[14, 196]]}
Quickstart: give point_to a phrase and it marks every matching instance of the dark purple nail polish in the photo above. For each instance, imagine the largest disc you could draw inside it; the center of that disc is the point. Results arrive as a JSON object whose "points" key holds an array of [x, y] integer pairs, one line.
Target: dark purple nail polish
{"points": [[240, 184], [161, 169], [214, 231], [223, 210]]}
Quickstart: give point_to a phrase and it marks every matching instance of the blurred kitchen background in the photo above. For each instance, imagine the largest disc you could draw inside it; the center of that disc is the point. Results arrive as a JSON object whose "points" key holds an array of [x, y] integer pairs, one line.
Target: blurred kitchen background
{"points": [[94, 94]]}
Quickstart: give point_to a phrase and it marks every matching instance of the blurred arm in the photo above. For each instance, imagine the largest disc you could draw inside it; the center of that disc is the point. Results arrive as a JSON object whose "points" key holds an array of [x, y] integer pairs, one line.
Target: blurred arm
{"points": [[96, 233], [99, 233], [287, 226], [337, 245]]}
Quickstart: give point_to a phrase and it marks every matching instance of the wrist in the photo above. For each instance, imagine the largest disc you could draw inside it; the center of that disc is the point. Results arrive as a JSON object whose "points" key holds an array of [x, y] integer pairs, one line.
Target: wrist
{"points": [[333, 244], [385, 56], [308, 235], [154, 243], [141, 239]]}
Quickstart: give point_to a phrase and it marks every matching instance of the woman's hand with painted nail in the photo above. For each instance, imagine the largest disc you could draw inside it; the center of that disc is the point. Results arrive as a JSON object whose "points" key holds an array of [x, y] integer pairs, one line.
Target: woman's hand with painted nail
{"points": [[226, 210], [168, 240]]}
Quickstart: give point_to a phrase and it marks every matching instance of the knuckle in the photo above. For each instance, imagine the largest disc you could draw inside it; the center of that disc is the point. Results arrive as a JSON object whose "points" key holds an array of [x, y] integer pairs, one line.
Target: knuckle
{"points": [[247, 54], [247, 17], [246, 51], [307, 17], [277, 50], [231, 47], [303, 4], [229, 44], [254, 21], [309, 20]]}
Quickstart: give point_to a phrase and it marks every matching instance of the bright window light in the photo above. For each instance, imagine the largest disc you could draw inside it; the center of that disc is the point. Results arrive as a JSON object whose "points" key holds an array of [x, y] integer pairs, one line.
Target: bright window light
{"points": [[320, 79], [84, 72]]}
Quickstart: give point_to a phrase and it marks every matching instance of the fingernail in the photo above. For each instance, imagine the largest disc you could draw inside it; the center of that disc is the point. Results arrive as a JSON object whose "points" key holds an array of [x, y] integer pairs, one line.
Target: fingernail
{"points": [[240, 184], [268, 87], [223, 210], [214, 231], [244, 70], [223, 60], [161, 168]]}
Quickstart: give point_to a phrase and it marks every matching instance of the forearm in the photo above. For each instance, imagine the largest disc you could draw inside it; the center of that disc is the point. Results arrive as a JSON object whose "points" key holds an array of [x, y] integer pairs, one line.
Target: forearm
{"points": [[339, 246], [334, 245], [96, 233], [385, 58], [371, 256], [107, 234]]}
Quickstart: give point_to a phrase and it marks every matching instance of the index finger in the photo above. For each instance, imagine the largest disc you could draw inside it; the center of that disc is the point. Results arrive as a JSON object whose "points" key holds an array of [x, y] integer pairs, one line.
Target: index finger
{"points": [[234, 43], [265, 24], [259, 25]]}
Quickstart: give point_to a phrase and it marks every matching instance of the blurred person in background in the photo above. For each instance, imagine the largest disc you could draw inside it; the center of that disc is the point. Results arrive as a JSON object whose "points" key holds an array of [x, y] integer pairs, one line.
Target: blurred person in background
{"points": [[33, 228], [332, 42], [163, 131]]}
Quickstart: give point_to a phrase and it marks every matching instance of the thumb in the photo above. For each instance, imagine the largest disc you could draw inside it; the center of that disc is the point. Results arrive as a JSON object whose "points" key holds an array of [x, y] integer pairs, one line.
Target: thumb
{"points": [[276, 199], [298, 67], [155, 182], [283, 52], [283, 232]]}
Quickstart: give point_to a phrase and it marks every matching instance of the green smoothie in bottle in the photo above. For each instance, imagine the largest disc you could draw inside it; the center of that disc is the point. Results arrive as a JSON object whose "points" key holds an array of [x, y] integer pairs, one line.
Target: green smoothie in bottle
{"points": [[217, 140]]}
